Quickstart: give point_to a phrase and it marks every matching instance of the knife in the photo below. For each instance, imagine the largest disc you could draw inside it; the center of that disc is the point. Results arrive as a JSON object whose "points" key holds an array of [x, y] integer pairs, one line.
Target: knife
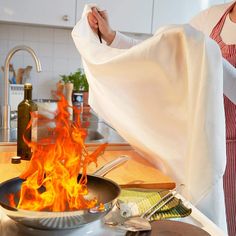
{"points": [[99, 35], [111, 165]]}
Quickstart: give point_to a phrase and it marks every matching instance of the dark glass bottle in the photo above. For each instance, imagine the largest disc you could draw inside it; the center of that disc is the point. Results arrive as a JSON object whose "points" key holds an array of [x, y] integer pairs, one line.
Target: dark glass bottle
{"points": [[24, 109]]}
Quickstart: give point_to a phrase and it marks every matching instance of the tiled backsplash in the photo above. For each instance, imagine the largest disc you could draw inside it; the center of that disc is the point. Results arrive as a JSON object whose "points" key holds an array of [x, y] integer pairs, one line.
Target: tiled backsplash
{"points": [[54, 47]]}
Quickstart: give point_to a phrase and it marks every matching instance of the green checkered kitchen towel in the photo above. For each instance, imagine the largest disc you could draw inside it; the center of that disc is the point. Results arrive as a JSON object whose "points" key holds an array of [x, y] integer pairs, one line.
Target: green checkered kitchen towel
{"points": [[136, 202]]}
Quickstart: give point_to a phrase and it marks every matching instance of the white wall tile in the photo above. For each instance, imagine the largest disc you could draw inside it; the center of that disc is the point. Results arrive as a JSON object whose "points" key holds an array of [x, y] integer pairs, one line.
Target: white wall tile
{"points": [[4, 31], [3, 46], [34, 45], [31, 33], [72, 51], [62, 35], [54, 47], [29, 61], [16, 32], [17, 61], [60, 66], [36, 80], [46, 49], [35, 77], [61, 50], [74, 64], [45, 85], [56, 76], [47, 64], [46, 35], [2, 59], [13, 43]]}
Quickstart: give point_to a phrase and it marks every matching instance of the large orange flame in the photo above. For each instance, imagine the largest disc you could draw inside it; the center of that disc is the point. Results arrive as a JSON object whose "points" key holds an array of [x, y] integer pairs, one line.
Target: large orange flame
{"points": [[51, 180]]}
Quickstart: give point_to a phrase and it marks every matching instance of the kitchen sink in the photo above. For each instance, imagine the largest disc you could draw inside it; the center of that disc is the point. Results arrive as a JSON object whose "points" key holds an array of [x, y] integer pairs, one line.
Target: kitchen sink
{"points": [[8, 135], [98, 132], [94, 135]]}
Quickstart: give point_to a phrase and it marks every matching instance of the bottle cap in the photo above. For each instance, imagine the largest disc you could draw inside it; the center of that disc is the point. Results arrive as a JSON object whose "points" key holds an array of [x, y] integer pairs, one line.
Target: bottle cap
{"points": [[16, 160], [27, 86]]}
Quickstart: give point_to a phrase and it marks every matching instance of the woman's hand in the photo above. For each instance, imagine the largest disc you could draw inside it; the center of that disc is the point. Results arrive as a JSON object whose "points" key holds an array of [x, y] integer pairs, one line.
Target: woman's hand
{"points": [[99, 20]]}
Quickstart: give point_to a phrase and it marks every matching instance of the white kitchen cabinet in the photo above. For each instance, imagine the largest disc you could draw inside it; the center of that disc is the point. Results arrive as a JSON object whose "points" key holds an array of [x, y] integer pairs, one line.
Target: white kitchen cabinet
{"points": [[44, 12], [124, 15], [178, 11]]}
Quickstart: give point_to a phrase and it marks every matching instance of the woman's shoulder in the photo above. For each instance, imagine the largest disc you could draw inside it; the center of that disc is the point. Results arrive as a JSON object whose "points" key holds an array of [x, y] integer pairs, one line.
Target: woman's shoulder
{"points": [[218, 9], [215, 11], [207, 19]]}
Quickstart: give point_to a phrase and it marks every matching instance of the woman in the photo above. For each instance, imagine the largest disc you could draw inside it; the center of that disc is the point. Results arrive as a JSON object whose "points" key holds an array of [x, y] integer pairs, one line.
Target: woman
{"points": [[218, 22]]}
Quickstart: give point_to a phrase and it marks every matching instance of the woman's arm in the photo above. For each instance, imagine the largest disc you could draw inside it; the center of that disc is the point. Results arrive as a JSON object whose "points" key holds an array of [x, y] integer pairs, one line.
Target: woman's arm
{"points": [[98, 20], [122, 41]]}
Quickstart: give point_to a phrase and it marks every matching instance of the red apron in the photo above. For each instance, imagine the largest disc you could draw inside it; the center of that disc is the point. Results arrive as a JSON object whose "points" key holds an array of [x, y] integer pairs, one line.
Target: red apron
{"points": [[229, 53]]}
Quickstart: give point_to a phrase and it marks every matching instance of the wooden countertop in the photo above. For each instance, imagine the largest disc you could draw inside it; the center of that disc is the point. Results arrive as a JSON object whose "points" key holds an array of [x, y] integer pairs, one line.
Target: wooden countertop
{"points": [[136, 172]]}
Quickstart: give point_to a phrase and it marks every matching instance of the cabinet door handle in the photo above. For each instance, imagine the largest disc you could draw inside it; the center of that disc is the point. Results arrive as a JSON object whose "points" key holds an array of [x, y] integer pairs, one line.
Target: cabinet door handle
{"points": [[65, 18]]}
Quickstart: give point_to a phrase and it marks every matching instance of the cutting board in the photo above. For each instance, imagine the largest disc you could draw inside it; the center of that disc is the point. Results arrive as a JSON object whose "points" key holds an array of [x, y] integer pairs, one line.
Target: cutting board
{"points": [[137, 172]]}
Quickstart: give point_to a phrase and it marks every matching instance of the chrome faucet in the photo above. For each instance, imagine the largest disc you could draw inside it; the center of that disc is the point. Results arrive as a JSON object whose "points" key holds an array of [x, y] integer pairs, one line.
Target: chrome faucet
{"points": [[5, 111]]}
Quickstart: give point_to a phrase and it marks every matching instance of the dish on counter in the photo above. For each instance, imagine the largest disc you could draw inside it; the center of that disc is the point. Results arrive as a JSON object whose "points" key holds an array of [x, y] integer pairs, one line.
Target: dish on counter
{"points": [[171, 228]]}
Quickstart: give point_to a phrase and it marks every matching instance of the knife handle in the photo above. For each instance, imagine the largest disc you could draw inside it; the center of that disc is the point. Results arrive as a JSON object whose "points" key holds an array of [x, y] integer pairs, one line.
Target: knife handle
{"points": [[111, 165], [99, 35]]}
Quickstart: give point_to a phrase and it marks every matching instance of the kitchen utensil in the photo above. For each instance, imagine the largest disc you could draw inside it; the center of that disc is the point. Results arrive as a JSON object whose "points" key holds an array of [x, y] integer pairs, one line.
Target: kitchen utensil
{"points": [[47, 107], [141, 223], [99, 35], [111, 165], [106, 191], [68, 95], [16, 94]]}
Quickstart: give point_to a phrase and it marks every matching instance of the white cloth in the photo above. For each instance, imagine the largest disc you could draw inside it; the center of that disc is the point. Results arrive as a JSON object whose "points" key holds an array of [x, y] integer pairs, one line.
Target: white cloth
{"points": [[229, 81], [206, 20], [164, 96], [229, 72]]}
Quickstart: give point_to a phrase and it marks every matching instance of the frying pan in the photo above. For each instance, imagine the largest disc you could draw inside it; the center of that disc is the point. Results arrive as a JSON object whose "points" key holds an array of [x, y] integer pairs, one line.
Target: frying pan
{"points": [[106, 191]]}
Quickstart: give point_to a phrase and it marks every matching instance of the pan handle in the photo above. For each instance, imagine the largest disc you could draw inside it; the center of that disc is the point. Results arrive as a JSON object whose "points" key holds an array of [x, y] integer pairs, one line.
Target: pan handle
{"points": [[111, 165]]}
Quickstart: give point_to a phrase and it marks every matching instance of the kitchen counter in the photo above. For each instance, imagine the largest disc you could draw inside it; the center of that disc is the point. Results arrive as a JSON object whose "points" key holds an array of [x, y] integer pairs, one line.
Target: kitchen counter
{"points": [[136, 172]]}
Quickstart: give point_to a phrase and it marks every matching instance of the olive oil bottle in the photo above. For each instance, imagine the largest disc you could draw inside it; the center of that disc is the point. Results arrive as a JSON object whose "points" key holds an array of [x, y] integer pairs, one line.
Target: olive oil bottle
{"points": [[24, 115]]}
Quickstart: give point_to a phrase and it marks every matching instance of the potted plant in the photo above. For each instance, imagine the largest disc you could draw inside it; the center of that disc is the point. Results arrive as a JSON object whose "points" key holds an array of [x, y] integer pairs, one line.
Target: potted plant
{"points": [[80, 85]]}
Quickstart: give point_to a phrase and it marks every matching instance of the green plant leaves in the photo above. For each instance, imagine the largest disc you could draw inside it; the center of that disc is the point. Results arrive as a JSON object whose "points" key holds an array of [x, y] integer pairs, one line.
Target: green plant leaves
{"points": [[79, 80]]}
